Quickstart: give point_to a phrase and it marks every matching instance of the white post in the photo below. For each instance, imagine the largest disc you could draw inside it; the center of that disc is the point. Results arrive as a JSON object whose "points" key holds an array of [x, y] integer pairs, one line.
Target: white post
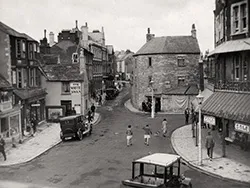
{"points": [[200, 151], [153, 104]]}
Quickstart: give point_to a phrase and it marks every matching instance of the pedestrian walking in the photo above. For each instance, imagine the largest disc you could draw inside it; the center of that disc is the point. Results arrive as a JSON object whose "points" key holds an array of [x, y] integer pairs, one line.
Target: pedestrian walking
{"points": [[164, 127], [73, 111], [93, 109], [129, 134], [90, 118], [147, 134], [210, 145], [2, 147], [186, 115]]}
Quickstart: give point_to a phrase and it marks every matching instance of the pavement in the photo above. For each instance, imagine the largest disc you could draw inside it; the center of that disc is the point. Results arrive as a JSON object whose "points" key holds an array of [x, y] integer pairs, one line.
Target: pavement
{"points": [[47, 136], [235, 166]]}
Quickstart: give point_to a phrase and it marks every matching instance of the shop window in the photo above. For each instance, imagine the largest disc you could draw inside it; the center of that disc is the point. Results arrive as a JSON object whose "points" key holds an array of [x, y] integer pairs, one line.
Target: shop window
{"points": [[239, 17], [5, 126], [65, 88]]}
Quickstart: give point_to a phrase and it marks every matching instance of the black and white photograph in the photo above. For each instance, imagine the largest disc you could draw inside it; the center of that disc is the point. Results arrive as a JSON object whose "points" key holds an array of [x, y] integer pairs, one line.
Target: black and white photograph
{"points": [[125, 93]]}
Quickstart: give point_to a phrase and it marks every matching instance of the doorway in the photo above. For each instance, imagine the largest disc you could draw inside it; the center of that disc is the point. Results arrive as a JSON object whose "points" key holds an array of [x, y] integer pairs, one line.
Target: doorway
{"points": [[67, 106]]}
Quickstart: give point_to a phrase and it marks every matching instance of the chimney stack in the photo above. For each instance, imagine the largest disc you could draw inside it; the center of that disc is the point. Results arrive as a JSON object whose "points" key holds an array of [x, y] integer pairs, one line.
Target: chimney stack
{"points": [[76, 24], [149, 36], [44, 33], [51, 39], [193, 31], [84, 38], [86, 24]]}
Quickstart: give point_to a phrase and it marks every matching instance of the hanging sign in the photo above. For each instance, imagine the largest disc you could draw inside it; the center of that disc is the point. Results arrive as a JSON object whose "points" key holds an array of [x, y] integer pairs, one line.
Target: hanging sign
{"points": [[209, 119], [75, 88], [242, 128]]}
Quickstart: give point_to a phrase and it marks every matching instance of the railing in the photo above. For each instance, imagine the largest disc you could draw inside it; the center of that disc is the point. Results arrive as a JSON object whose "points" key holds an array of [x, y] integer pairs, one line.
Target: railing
{"points": [[233, 85], [4, 106]]}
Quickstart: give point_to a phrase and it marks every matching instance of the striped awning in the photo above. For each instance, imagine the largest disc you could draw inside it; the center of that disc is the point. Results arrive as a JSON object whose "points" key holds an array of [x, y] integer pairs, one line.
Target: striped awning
{"points": [[229, 105]]}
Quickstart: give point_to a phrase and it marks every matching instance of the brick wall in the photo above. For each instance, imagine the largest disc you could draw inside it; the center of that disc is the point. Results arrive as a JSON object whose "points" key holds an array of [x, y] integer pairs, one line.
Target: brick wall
{"points": [[164, 69]]}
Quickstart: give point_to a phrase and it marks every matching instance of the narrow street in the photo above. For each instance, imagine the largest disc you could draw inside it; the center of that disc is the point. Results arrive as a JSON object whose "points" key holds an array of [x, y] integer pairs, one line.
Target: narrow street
{"points": [[103, 159]]}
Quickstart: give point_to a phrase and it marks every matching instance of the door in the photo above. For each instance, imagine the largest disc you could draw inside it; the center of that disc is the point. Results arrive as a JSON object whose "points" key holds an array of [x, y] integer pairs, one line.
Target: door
{"points": [[68, 106]]}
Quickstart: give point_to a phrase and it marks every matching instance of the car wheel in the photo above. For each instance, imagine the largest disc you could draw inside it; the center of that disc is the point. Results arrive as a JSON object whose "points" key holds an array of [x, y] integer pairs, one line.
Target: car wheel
{"points": [[79, 134]]}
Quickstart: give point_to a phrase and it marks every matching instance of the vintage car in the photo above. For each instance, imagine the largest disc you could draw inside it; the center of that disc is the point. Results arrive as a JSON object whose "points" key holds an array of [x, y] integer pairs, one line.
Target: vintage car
{"points": [[74, 126], [111, 93], [157, 170]]}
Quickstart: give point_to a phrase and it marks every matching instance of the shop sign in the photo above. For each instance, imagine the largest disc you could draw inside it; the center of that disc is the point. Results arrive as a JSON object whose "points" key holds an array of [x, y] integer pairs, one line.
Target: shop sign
{"points": [[242, 128], [35, 104], [75, 88], [209, 119]]}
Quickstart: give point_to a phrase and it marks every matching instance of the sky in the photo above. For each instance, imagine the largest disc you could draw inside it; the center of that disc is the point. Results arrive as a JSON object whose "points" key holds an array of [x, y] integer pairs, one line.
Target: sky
{"points": [[125, 22]]}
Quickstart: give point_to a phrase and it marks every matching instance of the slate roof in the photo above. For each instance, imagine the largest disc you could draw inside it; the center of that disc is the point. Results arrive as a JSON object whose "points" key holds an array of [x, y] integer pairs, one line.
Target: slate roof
{"points": [[29, 93], [13, 32], [181, 90], [60, 72], [49, 59], [170, 45], [65, 44], [4, 84]]}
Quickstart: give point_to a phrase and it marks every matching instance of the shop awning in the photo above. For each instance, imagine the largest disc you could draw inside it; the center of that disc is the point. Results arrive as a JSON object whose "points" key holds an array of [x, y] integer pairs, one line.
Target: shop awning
{"points": [[30, 93], [234, 106], [232, 46], [206, 94]]}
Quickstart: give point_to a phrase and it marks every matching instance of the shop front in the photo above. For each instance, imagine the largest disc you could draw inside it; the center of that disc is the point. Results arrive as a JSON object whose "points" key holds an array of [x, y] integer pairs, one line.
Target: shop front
{"points": [[10, 124], [33, 105], [228, 113]]}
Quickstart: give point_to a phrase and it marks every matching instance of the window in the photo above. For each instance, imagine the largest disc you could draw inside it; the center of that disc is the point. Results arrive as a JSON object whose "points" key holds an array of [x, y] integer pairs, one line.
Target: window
{"points": [[181, 80], [4, 96], [74, 58], [65, 87], [244, 68], [38, 78], [32, 76], [19, 78], [219, 26], [4, 126], [20, 48], [30, 51], [150, 62], [181, 62], [236, 61], [239, 18]]}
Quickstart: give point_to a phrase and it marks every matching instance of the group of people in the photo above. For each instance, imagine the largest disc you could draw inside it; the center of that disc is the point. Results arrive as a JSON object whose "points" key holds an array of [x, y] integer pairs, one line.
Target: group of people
{"points": [[147, 133]]}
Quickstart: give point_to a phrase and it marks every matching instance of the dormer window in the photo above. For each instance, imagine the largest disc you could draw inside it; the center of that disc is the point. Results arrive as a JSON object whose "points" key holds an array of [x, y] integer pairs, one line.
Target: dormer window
{"points": [[75, 58]]}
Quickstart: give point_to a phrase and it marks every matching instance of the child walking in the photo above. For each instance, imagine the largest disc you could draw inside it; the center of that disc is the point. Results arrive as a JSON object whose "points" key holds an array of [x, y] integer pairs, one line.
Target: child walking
{"points": [[147, 134], [129, 135]]}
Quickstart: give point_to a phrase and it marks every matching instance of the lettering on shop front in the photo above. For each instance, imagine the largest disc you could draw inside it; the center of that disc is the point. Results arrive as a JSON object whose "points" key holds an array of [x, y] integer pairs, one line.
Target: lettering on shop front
{"points": [[242, 128], [209, 119], [75, 88]]}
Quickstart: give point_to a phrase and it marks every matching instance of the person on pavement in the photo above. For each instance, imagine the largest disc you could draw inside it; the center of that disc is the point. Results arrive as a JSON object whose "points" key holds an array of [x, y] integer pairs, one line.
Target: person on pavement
{"points": [[2, 147], [147, 134], [186, 115], [90, 118], [209, 145], [73, 111], [129, 134], [93, 109], [164, 127]]}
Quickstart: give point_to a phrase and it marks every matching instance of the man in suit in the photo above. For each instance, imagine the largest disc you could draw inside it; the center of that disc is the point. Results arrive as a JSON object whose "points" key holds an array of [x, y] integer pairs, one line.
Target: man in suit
{"points": [[210, 145]]}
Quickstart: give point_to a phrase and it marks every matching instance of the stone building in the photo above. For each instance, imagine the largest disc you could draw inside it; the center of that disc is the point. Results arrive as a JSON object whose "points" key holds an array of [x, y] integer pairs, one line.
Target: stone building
{"points": [[171, 62]]}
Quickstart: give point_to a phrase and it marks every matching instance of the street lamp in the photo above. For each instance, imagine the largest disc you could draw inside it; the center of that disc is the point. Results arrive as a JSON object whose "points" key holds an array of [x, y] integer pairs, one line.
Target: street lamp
{"points": [[200, 100], [153, 104]]}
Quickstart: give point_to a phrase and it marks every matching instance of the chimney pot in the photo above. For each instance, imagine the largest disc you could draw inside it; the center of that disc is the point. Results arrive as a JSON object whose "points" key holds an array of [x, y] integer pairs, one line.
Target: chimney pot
{"points": [[193, 31], [76, 24], [148, 30], [86, 24], [44, 33]]}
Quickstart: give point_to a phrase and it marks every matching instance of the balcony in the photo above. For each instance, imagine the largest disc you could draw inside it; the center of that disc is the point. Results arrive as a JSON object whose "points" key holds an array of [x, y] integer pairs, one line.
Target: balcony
{"points": [[233, 86], [4, 106]]}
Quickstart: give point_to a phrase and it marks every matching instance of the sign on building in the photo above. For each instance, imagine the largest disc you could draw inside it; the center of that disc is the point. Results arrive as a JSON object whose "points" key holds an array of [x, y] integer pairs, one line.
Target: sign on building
{"points": [[209, 119], [75, 88], [242, 128]]}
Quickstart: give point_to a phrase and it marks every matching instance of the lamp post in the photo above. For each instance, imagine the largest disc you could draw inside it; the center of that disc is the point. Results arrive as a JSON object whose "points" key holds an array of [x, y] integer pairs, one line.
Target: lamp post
{"points": [[200, 100], [153, 104]]}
